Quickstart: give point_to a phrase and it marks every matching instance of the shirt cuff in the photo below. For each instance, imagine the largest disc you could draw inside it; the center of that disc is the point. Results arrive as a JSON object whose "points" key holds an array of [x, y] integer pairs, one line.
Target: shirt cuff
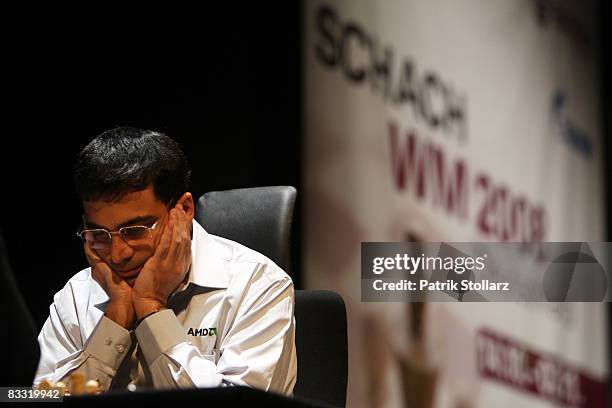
{"points": [[109, 343], [158, 333]]}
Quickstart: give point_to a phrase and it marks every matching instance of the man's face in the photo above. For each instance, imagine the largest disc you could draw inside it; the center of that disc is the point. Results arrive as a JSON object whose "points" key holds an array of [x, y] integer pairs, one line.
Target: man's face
{"points": [[136, 208]]}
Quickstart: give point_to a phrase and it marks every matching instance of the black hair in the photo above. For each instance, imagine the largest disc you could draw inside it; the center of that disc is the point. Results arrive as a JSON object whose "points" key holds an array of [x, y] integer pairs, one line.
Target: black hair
{"points": [[127, 159]]}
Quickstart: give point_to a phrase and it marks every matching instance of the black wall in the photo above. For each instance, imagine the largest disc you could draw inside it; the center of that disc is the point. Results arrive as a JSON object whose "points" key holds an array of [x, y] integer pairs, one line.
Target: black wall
{"points": [[223, 79]]}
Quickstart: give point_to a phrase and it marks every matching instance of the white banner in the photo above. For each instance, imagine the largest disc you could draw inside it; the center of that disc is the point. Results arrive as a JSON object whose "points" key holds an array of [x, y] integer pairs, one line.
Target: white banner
{"points": [[445, 120]]}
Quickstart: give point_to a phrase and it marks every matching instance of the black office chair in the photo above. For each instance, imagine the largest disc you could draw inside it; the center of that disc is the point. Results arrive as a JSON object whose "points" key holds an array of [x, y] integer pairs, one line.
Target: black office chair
{"points": [[260, 218]]}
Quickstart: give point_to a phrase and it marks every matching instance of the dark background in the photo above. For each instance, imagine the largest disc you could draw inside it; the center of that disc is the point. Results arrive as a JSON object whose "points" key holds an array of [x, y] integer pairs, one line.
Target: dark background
{"points": [[222, 79]]}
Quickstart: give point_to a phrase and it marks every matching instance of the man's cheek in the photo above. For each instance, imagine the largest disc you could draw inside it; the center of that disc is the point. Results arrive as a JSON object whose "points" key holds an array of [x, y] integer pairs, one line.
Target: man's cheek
{"points": [[107, 259], [143, 250], [158, 239], [147, 255]]}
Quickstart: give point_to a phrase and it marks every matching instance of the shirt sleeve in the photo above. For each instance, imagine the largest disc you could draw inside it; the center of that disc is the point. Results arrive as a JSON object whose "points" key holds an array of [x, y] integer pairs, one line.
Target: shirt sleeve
{"points": [[62, 352], [257, 351]]}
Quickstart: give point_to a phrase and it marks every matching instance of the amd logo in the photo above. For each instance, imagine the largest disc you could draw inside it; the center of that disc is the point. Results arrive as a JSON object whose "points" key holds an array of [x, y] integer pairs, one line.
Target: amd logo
{"points": [[212, 331]]}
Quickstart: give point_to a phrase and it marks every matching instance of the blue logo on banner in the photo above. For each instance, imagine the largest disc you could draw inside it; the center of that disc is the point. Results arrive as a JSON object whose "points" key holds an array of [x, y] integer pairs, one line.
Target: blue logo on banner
{"points": [[574, 137]]}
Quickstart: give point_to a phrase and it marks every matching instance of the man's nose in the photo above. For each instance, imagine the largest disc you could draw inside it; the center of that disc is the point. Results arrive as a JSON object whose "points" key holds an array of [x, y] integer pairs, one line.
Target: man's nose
{"points": [[120, 250]]}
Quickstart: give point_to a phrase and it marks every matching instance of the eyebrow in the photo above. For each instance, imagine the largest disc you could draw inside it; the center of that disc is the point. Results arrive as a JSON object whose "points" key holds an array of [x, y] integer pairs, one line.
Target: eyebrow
{"points": [[141, 219]]}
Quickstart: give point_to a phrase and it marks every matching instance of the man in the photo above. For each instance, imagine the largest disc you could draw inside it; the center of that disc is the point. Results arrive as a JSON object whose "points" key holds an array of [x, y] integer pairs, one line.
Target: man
{"points": [[163, 304]]}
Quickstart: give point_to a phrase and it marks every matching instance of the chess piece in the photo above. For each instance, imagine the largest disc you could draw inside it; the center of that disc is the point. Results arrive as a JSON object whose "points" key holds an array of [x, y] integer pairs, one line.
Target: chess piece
{"points": [[92, 387], [45, 385], [77, 384], [61, 387]]}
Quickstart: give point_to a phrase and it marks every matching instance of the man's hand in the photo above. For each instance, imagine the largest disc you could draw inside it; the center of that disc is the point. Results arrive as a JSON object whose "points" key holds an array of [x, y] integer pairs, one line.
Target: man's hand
{"points": [[120, 308], [165, 270]]}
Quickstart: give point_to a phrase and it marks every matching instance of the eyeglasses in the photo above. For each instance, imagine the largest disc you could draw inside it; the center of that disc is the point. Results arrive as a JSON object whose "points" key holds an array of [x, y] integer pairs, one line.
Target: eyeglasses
{"points": [[101, 239]]}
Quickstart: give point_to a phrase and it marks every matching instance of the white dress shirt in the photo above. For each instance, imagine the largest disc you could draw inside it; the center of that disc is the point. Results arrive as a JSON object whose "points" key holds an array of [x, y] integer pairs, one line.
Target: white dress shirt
{"points": [[231, 323]]}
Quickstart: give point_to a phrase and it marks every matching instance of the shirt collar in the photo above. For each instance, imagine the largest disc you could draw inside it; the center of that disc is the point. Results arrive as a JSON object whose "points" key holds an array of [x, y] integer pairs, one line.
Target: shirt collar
{"points": [[209, 265], [209, 260]]}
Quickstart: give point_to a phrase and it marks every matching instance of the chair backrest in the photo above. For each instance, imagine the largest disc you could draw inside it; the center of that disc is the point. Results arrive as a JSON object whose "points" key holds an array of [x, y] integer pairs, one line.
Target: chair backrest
{"points": [[322, 348], [259, 218]]}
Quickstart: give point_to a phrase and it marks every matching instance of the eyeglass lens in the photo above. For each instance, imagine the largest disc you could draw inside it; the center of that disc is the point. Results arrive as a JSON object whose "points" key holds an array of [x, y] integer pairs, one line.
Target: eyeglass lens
{"points": [[101, 239]]}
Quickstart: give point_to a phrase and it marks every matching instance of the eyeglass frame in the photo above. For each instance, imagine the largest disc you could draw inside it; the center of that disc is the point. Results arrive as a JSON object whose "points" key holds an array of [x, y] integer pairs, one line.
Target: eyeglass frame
{"points": [[117, 232]]}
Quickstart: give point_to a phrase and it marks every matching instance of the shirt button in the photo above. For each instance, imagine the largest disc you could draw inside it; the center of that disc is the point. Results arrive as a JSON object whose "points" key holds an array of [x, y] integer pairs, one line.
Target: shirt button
{"points": [[108, 341], [120, 348]]}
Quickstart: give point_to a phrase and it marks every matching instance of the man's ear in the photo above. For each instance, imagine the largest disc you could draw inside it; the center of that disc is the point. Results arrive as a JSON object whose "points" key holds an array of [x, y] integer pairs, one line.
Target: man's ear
{"points": [[186, 202]]}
